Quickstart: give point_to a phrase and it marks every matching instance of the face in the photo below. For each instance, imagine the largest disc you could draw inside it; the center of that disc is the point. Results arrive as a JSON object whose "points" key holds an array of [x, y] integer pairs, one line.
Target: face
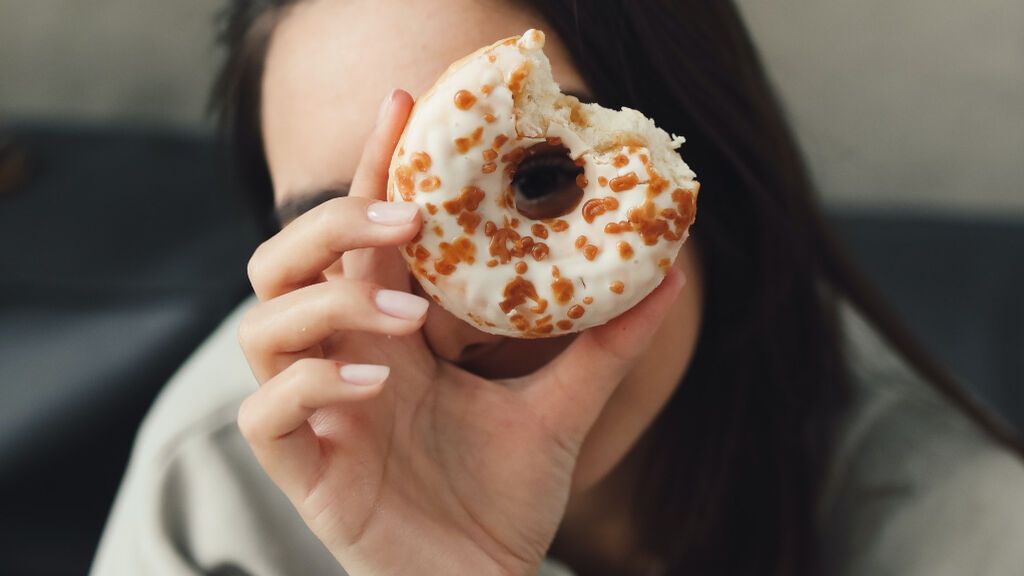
{"points": [[331, 62]]}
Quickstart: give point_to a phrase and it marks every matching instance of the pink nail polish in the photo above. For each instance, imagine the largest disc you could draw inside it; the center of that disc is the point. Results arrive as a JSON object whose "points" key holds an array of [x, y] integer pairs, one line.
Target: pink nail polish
{"points": [[364, 374], [392, 213], [401, 304]]}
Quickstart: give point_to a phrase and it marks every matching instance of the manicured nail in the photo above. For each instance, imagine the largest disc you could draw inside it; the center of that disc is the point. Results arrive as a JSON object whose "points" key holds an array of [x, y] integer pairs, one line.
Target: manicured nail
{"points": [[392, 213], [401, 304], [384, 106], [364, 374]]}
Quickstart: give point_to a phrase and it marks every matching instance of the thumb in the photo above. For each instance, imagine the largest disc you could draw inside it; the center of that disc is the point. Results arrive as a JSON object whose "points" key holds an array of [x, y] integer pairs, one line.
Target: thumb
{"points": [[571, 391]]}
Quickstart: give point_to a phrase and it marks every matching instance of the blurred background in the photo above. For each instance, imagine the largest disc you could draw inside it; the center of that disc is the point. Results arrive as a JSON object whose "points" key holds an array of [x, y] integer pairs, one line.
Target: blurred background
{"points": [[123, 238]]}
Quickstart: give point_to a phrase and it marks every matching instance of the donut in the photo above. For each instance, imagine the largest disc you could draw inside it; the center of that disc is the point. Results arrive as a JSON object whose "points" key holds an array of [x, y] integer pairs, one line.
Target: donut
{"points": [[542, 215]]}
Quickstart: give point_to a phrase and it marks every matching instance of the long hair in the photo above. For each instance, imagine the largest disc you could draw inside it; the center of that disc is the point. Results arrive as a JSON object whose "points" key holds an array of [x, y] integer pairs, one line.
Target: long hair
{"points": [[735, 461]]}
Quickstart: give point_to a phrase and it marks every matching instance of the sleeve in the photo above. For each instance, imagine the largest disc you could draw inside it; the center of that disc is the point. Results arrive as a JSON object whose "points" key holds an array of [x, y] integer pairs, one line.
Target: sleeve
{"points": [[204, 506], [971, 522]]}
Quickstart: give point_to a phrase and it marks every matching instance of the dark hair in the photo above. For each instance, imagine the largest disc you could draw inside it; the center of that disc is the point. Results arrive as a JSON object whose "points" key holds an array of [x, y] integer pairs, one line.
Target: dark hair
{"points": [[736, 459]]}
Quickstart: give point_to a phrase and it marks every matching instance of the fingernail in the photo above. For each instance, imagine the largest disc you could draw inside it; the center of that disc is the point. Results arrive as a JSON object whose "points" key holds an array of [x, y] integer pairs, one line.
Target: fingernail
{"points": [[384, 106], [400, 304], [392, 213], [364, 374]]}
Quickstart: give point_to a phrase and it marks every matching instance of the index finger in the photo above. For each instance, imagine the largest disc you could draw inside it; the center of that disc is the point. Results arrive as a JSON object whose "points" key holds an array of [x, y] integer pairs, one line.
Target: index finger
{"points": [[298, 255]]}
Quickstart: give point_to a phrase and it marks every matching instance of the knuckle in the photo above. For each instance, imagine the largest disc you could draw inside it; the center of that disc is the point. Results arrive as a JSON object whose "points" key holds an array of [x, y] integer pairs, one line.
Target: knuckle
{"points": [[339, 301], [302, 369], [254, 269], [247, 331], [334, 214], [248, 423]]}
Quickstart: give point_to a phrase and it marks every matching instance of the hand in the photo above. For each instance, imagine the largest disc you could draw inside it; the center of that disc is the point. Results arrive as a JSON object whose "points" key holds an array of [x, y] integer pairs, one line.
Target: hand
{"points": [[435, 471]]}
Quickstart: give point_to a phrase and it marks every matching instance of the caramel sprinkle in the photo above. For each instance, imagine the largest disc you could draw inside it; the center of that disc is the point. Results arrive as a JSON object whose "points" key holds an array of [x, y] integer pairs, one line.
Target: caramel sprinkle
{"points": [[562, 290], [645, 221], [520, 323], [464, 99], [506, 243], [430, 184], [544, 329], [588, 300], [664, 263], [620, 161], [617, 227], [581, 181], [516, 293], [488, 167], [515, 80], [489, 118], [623, 183], [539, 251], [499, 141], [560, 226], [520, 267], [490, 154], [469, 199], [486, 88], [431, 208], [469, 221], [598, 206], [539, 230], [555, 272], [491, 57], [625, 250], [403, 179], [581, 241], [617, 287], [576, 312], [464, 145], [602, 181], [590, 251], [564, 325], [420, 161], [461, 250]]}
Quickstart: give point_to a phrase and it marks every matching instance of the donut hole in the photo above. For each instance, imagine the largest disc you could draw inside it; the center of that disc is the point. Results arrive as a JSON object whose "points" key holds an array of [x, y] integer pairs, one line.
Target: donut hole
{"points": [[544, 182]]}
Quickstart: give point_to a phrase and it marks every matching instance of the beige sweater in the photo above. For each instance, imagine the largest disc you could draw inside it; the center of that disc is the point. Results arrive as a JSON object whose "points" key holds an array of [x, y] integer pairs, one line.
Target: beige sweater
{"points": [[914, 488]]}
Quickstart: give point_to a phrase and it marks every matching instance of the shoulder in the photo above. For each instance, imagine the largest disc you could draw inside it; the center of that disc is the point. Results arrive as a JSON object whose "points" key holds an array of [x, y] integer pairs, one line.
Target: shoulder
{"points": [[915, 487], [194, 497]]}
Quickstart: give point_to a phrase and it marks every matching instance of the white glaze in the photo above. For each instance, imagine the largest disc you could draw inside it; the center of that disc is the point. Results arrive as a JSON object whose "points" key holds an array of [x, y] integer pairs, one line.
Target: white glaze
{"points": [[473, 291]]}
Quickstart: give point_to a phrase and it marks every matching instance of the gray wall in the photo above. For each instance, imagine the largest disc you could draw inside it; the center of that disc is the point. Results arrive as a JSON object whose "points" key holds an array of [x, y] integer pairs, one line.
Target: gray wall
{"points": [[916, 104], [126, 61], [912, 103]]}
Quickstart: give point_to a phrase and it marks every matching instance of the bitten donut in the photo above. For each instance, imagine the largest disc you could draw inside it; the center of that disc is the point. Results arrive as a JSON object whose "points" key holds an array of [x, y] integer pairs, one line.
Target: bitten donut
{"points": [[542, 215]]}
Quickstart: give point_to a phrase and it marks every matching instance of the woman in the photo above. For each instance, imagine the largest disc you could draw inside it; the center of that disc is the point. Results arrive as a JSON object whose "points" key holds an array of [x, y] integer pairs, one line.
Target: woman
{"points": [[759, 413]]}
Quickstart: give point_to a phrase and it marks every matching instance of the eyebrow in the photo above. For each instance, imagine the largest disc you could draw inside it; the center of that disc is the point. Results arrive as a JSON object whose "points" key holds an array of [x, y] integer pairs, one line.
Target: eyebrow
{"points": [[302, 202]]}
